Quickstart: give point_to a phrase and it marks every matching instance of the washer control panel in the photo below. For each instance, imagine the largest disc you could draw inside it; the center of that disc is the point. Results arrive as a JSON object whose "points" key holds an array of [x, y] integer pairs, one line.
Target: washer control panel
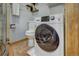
{"points": [[58, 18]]}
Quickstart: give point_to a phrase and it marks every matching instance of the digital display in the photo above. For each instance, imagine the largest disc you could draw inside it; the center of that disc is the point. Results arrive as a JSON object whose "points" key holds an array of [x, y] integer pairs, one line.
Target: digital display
{"points": [[45, 19]]}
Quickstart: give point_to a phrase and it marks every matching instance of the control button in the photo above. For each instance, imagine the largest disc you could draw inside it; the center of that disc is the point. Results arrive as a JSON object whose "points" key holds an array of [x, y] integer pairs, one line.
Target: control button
{"points": [[52, 17]]}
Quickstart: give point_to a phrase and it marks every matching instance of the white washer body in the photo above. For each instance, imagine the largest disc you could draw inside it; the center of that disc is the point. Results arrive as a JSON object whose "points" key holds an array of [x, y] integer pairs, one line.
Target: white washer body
{"points": [[58, 25]]}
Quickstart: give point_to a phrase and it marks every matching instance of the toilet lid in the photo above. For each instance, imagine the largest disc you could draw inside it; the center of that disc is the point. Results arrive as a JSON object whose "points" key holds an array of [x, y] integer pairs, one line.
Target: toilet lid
{"points": [[47, 37]]}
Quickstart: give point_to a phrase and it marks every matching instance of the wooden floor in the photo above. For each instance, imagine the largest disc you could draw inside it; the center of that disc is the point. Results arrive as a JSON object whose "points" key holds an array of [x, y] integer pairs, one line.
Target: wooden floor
{"points": [[18, 48]]}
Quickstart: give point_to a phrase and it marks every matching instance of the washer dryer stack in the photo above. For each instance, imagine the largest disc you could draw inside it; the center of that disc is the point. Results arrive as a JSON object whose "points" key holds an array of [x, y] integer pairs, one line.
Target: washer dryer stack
{"points": [[49, 35]]}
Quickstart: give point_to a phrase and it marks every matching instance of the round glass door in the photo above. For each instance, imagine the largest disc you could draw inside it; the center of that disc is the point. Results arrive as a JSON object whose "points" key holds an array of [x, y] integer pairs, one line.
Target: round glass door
{"points": [[46, 37]]}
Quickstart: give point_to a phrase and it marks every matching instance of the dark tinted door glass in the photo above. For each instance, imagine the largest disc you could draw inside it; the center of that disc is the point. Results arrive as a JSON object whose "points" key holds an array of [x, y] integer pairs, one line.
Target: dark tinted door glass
{"points": [[46, 37]]}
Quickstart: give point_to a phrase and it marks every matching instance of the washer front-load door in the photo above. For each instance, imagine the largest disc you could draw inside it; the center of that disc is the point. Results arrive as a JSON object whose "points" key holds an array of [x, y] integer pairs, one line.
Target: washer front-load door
{"points": [[46, 37]]}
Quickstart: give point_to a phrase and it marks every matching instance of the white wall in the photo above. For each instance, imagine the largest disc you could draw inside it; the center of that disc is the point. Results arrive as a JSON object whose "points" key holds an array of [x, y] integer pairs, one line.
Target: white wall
{"points": [[57, 9], [21, 23], [43, 10], [25, 16]]}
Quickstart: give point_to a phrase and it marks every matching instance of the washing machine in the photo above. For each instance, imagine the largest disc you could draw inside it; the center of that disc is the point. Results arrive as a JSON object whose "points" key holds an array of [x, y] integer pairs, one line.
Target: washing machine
{"points": [[48, 35]]}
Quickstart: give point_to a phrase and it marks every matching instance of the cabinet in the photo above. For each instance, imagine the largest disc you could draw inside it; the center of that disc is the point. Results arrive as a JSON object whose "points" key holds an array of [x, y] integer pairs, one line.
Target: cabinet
{"points": [[71, 29]]}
